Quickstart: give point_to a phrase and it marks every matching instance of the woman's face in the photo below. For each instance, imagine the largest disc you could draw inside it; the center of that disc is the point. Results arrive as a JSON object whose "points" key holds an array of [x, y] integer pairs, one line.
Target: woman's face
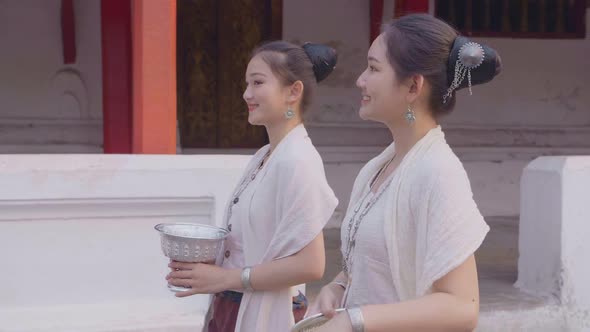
{"points": [[265, 94], [383, 95]]}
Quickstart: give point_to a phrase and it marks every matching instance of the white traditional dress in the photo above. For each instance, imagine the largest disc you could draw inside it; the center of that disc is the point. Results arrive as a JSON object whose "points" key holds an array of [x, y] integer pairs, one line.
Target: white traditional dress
{"points": [[286, 207], [424, 224]]}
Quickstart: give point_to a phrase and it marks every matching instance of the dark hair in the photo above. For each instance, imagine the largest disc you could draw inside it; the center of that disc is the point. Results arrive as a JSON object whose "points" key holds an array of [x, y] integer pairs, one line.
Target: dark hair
{"points": [[310, 64], [422, 44]]}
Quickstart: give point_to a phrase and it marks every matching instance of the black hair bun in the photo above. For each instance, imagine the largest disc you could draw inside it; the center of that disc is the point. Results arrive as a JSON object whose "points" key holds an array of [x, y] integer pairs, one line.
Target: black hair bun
{"points": [[483, 73], [323, 58]]}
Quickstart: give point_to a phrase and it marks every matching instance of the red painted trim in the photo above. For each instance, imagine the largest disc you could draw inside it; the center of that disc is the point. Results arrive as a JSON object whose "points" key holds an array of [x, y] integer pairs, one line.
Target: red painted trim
{"points": [[68, 31], [376, 13], [399, 8], [580, 24], [116, 75], [416, 6], [405, 7]]}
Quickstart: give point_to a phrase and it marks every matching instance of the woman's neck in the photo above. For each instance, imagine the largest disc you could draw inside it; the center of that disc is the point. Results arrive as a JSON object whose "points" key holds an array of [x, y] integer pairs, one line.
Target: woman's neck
{"points": [[277, 132], [406, 135]]}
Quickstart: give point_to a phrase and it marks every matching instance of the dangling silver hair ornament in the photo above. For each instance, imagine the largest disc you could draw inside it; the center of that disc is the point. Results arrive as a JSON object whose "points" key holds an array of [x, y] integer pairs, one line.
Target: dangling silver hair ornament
{"points": [[471, 56]]}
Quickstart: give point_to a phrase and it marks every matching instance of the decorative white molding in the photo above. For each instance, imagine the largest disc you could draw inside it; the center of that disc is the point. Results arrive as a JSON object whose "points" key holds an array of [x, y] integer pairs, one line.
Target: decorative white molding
{"points": [[362, 154], [67, 87], [369, 134], [44, 131], [47, 121], [197, 208], [49, 148]]}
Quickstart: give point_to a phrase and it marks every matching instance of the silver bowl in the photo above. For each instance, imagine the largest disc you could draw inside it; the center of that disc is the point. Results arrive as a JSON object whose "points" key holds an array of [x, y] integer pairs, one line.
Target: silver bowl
{"points": [[193, 243], [310, 323]]}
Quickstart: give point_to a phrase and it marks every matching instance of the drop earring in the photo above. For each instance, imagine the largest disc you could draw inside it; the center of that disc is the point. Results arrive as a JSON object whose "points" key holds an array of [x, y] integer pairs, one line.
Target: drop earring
{"points": [[290, 113], [410, 115]]}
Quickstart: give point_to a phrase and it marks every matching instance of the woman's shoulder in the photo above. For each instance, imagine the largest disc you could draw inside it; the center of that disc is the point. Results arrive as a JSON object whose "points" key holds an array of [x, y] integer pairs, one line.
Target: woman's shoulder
{"points": [[300, 152], [439, 164], [262, 150]]}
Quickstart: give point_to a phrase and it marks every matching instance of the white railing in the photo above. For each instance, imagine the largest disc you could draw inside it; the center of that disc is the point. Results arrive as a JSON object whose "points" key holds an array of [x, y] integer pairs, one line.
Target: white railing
{"points": [[554, 236], [78, 251]]}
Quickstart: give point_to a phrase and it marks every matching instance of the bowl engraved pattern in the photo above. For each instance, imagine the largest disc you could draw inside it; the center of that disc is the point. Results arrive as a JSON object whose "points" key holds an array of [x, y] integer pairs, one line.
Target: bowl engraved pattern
{"points": [[194, 243]]}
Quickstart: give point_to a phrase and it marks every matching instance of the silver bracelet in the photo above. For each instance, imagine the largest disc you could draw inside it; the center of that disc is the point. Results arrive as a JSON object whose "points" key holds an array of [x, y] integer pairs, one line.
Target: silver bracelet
{"points": [[356, 319], [245, 276]]}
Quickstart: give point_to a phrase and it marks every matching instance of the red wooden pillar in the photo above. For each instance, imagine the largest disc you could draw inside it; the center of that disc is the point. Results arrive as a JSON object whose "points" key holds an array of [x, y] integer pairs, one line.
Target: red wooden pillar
{"points": [[404, 7], [154, 76], [401, 8], [376, 13], [116, 75], [68, 31]]}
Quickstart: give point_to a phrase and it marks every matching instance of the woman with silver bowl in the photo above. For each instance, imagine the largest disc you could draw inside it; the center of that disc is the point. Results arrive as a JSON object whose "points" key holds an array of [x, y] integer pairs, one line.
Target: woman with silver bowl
{"points": [[412, 226], [280, 206]]}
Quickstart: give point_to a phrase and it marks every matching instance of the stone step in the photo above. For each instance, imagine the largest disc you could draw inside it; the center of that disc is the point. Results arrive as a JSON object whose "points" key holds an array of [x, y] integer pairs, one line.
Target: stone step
{"points": [[498, 254]]}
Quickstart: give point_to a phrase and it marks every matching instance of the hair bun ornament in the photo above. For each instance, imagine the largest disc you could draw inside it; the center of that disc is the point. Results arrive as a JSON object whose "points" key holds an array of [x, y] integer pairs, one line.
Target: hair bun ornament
{"points": [[471, 55], [478, 62], [323, 58]]}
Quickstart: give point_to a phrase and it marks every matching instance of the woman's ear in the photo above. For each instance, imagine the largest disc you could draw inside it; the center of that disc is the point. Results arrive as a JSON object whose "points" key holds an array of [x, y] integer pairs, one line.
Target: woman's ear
{"points": [[295, 92], [416, 87]]}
